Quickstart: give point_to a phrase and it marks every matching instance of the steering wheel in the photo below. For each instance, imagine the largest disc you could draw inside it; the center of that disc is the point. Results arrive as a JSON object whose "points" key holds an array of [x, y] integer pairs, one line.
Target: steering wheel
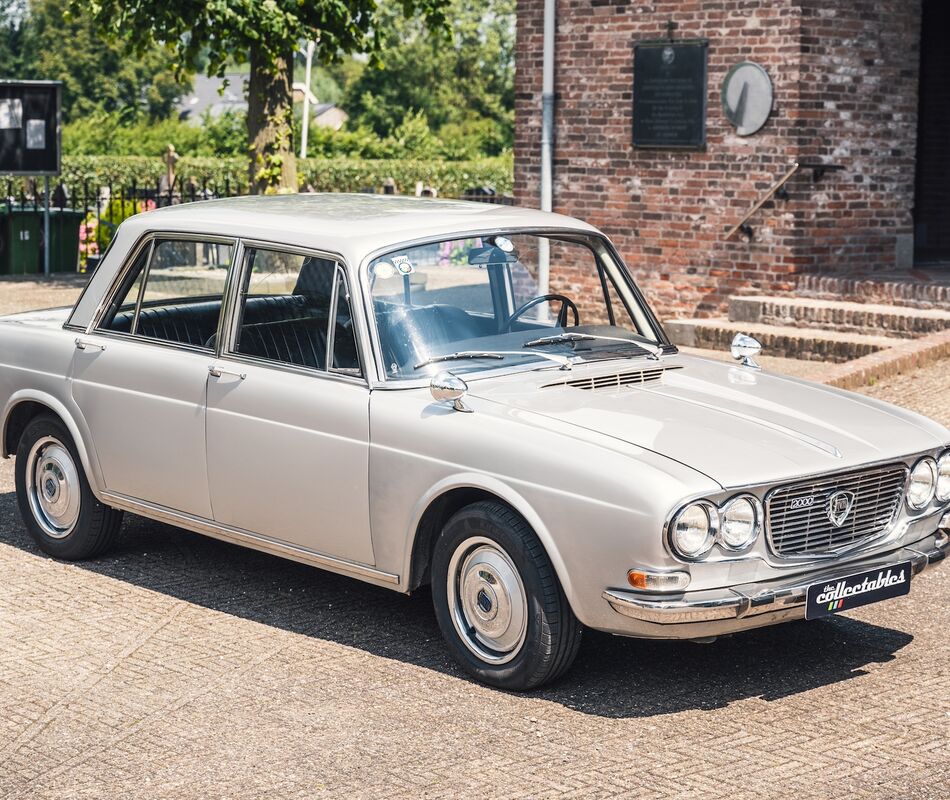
{"points": [[566, 303]]}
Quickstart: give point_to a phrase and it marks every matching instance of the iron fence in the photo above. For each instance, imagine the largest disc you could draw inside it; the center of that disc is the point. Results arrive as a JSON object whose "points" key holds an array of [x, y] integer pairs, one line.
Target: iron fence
{"points": [[100, 209]]}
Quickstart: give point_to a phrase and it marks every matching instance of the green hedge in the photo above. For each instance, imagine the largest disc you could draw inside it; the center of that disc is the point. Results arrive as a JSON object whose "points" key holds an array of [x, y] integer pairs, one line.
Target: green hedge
{"points": [[450, 178]]}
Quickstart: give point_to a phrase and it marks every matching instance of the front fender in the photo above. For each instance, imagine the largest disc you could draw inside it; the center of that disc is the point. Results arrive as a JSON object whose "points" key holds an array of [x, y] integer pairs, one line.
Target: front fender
{"points": [[502, 490]]}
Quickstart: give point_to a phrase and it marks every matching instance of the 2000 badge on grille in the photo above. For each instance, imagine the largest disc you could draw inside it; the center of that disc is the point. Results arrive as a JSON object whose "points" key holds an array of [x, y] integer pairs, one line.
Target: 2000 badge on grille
{"points": [[859, 589]]}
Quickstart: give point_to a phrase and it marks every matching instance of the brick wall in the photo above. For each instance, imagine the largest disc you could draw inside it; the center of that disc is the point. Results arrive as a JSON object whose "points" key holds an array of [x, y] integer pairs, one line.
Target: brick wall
{"points": [[844, 73]]}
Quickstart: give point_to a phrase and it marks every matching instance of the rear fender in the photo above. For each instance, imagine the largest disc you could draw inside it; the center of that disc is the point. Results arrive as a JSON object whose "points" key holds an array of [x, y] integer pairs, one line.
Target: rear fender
{"points": [[74, 422]]}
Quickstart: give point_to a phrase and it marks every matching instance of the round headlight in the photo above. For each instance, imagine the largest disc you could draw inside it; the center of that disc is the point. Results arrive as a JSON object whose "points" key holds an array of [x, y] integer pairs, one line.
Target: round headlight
{"points": [[923, 482], [693, 530], [739, 522], [943, 477]]}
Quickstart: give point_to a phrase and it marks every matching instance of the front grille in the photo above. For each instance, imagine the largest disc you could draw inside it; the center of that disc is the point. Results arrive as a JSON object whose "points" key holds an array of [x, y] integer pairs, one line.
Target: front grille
{"points": [[799, 515], [615, 380]]}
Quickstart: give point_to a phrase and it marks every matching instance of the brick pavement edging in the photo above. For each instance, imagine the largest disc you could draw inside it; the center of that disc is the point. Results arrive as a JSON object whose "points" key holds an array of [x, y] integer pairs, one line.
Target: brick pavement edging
{"points": [[895, 360]]}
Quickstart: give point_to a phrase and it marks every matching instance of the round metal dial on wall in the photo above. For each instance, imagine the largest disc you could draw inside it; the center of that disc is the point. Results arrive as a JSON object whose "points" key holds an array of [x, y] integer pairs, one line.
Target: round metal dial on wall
{"points": [[747, 97]]}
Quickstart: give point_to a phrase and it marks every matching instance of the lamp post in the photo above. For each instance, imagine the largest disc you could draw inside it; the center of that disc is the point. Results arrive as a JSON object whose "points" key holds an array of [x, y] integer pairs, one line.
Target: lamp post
{"points": [[308, 55]]}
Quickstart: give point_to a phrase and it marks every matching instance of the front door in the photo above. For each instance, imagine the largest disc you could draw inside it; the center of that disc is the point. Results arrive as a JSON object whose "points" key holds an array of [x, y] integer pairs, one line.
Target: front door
{"points": [[288, 411], [140, 376]]}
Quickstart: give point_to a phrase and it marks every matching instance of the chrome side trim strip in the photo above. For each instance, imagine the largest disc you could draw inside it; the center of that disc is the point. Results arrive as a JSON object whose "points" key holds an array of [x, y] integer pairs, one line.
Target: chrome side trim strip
{"points": [[247, 539]]}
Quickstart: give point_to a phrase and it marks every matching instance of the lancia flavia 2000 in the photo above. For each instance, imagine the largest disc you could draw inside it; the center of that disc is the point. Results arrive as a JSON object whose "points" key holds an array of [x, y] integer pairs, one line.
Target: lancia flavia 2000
{"points": [[470, 397]]}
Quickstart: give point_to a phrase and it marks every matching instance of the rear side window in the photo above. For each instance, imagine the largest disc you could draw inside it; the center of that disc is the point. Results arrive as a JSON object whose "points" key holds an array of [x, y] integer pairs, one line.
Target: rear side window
{"points": [[173, 293], [295, 309]]}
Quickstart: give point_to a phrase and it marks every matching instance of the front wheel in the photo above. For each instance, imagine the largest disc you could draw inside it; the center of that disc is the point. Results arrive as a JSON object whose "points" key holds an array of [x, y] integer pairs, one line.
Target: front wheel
{"points": [[498, 601], [56, 503]]}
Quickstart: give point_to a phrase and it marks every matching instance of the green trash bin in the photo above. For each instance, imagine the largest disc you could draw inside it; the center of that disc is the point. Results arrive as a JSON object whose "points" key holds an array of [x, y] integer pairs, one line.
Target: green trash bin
{"points": [[21, 240], [64, 239], [21, 237]]}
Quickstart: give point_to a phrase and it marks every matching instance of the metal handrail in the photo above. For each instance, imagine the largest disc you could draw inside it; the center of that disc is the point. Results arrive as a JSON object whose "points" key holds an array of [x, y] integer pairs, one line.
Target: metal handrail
{"points": [[818, 169], [773, 189]]}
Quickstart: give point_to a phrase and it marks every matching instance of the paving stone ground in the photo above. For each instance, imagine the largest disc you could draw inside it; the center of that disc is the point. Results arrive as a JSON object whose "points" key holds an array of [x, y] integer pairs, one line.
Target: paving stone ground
{"points": [[181, 667]]}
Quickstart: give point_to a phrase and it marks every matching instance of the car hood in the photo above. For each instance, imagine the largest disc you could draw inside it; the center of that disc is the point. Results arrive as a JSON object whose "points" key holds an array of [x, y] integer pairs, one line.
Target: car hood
{"points": [[736, 425]]}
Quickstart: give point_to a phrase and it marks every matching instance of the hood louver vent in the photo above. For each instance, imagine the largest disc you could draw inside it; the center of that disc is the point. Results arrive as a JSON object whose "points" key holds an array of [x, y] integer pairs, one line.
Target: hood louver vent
{"points": [[615, 380]]}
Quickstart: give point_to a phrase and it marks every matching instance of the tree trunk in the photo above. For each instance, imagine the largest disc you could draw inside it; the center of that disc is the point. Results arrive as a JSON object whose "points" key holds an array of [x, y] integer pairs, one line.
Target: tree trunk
{"points": [[270, 115]]}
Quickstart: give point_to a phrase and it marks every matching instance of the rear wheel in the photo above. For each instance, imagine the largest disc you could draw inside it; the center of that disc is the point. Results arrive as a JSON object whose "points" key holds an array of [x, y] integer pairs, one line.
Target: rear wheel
{"points": [[56, 503], [498, 601]]}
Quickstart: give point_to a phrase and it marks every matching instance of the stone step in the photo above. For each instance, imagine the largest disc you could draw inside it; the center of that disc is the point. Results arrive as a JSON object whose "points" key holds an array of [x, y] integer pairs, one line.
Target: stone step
{"points": [[865, 318], [931, 289], [807, 344]]}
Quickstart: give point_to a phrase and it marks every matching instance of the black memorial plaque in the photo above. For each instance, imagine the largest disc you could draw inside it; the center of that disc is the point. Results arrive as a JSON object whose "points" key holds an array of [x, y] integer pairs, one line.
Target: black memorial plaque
{"points": [[669, 95], [29, 127]]}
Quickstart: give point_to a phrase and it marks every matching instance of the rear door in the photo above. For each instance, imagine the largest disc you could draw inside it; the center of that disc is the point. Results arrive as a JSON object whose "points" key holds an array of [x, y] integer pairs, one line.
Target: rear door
{"points": [[140, 375]]}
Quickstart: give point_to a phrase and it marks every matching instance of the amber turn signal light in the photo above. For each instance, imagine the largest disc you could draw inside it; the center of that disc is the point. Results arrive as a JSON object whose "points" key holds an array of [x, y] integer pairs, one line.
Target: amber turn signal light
{"points": [[646, 581]]}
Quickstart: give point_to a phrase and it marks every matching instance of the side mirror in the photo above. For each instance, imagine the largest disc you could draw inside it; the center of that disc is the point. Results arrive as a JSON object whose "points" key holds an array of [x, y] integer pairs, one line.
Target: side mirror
{"points": [[744, 349], [446, 388]]}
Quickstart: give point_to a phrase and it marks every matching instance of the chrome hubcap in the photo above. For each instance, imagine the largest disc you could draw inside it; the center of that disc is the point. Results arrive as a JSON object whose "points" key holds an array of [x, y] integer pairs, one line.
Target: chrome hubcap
{"points": [[52, 485], [487, 599]]}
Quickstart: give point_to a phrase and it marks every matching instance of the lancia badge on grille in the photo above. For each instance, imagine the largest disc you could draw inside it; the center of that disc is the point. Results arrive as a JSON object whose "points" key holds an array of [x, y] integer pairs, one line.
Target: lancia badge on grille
{"points": [[839, 506]]}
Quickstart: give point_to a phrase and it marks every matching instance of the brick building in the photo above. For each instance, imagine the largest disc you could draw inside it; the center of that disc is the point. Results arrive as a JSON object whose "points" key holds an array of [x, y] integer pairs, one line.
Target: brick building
{"points": [[864, 84]]}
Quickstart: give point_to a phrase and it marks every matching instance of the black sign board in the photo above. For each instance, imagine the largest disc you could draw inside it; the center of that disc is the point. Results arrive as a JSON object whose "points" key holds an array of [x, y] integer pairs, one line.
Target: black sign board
{"points": [[843, 594], [29, 127], [669, 94]]}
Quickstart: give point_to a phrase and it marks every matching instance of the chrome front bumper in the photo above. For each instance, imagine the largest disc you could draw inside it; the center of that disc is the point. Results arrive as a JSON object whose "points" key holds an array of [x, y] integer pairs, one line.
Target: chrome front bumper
{"points": [[721, 611]]}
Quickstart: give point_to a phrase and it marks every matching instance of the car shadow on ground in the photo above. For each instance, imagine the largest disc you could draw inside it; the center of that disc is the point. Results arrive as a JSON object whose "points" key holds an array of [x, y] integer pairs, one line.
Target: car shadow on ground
{"points": [[612, 677]]}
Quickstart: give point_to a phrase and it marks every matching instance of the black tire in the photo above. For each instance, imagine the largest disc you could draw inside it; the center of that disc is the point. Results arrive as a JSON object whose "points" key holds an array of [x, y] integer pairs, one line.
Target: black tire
{"points": [[493, 535], [60, 511]]}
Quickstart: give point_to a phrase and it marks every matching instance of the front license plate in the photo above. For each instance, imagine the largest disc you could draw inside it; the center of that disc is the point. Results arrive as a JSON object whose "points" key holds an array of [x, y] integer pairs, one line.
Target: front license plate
{"points": [[859, 589]]}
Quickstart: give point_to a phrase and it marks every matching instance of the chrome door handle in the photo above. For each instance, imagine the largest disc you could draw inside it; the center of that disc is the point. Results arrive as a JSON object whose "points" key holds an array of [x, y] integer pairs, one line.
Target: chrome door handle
{"points": [[81, 345], [217, 372]]}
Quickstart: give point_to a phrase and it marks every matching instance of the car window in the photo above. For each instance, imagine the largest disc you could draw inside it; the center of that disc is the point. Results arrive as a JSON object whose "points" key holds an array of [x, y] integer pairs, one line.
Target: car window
{"points": [[295, 309], [490, 294], [173, 293], [434, 274]]}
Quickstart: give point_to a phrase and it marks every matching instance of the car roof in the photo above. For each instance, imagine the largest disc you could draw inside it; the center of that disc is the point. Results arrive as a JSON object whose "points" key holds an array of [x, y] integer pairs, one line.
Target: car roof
{"points": [[352, 225]]}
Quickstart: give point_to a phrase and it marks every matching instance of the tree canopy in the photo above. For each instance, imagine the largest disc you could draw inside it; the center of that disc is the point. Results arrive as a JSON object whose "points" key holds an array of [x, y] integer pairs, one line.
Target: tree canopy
{"points": [[210, 34], [445, 93], [462, 79], [40, 41]]}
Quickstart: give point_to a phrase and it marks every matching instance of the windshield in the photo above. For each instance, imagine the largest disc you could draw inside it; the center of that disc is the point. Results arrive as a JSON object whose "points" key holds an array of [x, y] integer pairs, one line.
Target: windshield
{"points": [[477, 303]]}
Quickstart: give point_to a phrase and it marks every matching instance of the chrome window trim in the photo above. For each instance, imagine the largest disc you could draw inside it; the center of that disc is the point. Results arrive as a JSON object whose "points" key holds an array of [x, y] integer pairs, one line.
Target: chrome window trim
{"points": [[68, 324], [567, 234], [143, 340], [146, 271], [331, 319], [123, 272], [225, 350], [229, 299], [309, 372]]}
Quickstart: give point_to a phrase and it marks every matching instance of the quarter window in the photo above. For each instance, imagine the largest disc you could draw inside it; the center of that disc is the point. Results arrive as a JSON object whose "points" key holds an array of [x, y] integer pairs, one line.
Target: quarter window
{"points": [[295, 309], [173, 293]]}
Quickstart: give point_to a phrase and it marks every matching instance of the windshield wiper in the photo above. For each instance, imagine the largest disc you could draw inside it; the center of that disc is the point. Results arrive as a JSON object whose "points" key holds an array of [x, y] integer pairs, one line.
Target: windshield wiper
{"points": [[454, 356], [567, 338], [564, 361]]}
